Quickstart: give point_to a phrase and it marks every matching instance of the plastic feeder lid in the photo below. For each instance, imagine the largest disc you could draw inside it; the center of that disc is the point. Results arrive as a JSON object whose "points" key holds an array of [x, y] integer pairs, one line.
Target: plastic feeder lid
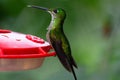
{"points": [[19, 51]]}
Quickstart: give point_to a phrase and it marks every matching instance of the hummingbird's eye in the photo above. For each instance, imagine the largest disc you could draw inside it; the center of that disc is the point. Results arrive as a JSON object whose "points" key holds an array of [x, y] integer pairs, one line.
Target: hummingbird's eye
{"points": [[55, 11]]}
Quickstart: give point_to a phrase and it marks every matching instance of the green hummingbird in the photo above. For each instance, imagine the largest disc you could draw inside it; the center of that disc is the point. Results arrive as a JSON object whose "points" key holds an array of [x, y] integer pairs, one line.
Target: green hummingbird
{"points": [[57, 38]]}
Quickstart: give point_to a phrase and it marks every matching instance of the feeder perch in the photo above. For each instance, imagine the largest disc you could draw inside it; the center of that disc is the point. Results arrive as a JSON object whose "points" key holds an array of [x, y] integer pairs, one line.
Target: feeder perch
{"points": [[22, 51]]}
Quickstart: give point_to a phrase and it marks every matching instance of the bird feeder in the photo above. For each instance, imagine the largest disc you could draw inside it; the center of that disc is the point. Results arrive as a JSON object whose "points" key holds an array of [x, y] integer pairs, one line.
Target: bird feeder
{"points": [[22, 51]]}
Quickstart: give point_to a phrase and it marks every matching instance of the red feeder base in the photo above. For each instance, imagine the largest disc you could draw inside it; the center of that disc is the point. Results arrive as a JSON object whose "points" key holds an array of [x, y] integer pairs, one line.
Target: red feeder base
{"points": [[21, 52]]}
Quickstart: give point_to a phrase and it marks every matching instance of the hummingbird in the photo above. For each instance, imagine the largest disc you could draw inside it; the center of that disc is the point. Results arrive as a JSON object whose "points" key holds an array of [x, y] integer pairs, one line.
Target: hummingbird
{"points": [[56, 37]]}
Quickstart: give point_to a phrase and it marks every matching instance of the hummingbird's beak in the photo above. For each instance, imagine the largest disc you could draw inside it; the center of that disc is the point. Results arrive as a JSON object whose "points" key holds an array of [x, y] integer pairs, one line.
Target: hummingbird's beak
{"points": [[38, 7]]}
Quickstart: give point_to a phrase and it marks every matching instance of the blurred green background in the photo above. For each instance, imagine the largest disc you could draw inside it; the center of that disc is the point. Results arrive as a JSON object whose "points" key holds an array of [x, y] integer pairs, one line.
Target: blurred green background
{"points": [[93, 30]]}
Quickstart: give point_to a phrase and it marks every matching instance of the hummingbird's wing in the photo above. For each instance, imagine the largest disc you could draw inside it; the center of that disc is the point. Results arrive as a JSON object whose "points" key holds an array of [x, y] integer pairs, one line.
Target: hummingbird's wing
{"points": [[60, 53], [63, 51], [64, 59], [67, 50]]}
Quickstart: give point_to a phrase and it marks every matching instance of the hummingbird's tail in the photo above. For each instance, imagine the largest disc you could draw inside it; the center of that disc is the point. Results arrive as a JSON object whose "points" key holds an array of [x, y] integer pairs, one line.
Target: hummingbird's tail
{"points": [[73, 72], [68, 65]]}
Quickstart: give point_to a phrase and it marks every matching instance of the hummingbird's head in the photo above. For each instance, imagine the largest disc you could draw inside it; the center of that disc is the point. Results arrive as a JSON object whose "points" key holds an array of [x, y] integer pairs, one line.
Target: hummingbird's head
{"points": [[58, 12], [55, 13]]}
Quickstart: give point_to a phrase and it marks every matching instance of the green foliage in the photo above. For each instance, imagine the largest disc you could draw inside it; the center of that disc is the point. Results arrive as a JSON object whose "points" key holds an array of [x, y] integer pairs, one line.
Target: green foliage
{"points": [[97, 54]]}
